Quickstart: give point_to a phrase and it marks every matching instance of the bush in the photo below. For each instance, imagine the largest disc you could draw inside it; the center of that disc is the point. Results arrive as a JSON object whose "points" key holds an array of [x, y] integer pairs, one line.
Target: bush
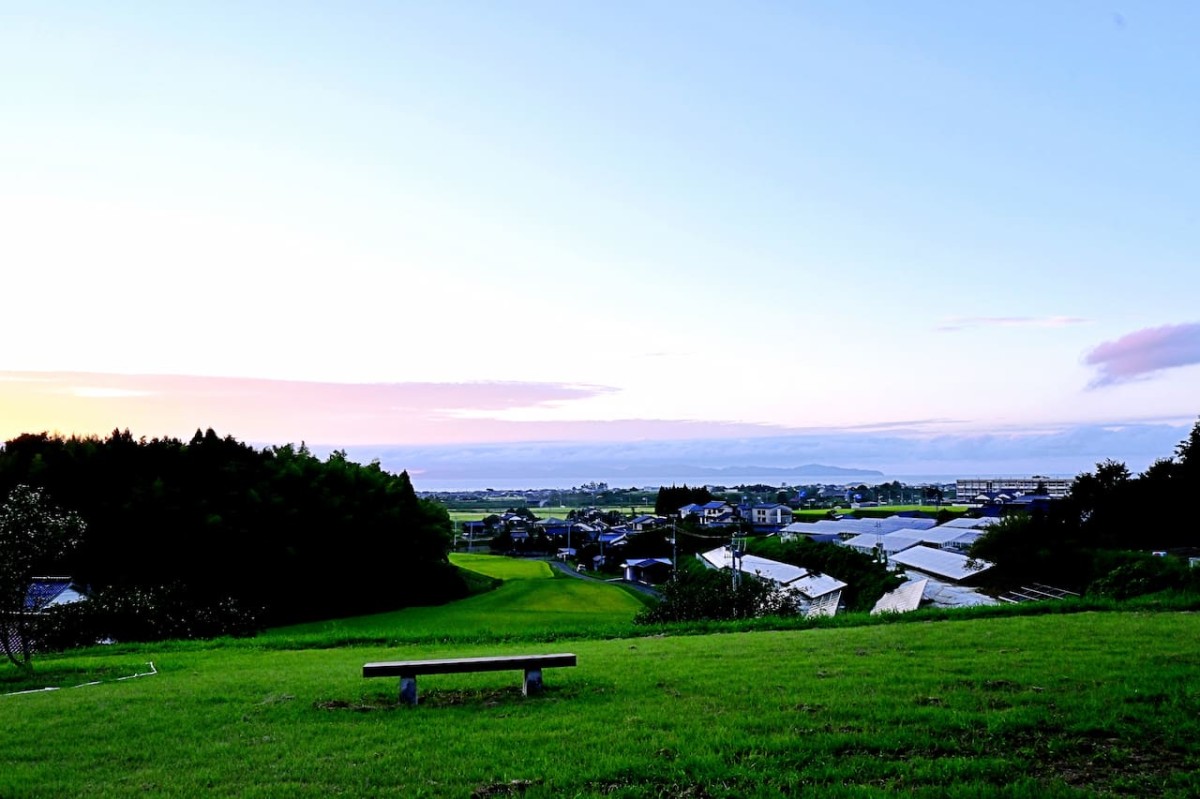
{"points": [[1139, 574], [700, 593], [142, 614]]}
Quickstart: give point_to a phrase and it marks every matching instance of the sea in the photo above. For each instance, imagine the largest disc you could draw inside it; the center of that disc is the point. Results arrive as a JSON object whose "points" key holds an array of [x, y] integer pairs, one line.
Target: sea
{"points": [[439, 485]]}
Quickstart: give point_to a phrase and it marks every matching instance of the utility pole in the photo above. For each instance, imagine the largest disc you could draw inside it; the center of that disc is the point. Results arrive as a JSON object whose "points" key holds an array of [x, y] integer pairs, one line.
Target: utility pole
{"points": [[674, 552], [735, 558]]}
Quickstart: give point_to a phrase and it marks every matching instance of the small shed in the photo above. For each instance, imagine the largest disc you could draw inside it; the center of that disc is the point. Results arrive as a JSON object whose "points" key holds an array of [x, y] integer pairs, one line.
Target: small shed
{"points": [[647, 570]]}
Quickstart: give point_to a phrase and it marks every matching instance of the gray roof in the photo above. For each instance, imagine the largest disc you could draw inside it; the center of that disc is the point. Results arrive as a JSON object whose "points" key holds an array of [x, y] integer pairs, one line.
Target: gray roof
{"points": [[890, 542], [940, 563], [946, 535], [985, 521], [876, 526], [783, 574], [905, 598], [948, 595]]}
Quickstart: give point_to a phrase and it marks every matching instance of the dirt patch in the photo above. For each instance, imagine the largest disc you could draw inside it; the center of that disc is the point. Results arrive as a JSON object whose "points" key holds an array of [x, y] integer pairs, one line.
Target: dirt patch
{"points": [[510, 788], [656, 788]]}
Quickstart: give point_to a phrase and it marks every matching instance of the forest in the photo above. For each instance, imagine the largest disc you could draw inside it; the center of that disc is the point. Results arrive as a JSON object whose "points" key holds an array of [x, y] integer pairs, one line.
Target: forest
{"points": [[214, 536]]}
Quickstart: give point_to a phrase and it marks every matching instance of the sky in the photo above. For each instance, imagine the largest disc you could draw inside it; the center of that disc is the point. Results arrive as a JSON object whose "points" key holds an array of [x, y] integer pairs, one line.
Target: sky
{"points": [[508, 223]]}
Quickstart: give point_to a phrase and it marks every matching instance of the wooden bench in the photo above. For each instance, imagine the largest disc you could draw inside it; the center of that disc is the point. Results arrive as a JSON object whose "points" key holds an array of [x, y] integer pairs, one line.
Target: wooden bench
{"points": [[407, 670]]}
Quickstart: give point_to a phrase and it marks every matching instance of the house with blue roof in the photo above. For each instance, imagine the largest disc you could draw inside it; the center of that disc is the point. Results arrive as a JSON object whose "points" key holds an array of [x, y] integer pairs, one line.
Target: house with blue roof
{"points": [[48, 592], [715, 512]]}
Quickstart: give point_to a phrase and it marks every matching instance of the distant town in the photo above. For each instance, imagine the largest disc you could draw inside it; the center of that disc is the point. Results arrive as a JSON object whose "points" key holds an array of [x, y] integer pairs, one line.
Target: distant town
{"points": [[969, 491]]}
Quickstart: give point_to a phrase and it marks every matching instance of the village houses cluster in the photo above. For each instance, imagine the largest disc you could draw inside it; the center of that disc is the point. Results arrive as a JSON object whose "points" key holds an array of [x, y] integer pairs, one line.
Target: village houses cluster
{"points": [[933, 557]]}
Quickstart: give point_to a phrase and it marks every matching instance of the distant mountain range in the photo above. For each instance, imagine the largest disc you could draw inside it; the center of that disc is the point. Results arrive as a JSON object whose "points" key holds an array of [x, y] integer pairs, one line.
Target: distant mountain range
{"points": [[1067, 452]]}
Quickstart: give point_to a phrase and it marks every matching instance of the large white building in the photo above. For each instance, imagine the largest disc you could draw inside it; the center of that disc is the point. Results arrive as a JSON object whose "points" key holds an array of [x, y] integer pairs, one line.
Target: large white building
{"points": [[818, 594], [968, 488]]}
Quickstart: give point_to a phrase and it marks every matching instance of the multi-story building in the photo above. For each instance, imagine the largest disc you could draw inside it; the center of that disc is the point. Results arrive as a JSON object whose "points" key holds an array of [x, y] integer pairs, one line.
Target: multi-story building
{"points": [[970, 487]]}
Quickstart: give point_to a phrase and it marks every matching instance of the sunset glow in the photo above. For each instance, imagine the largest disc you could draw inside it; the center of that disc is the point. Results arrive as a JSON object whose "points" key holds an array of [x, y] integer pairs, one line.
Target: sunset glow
{"points": [[528, 222]]}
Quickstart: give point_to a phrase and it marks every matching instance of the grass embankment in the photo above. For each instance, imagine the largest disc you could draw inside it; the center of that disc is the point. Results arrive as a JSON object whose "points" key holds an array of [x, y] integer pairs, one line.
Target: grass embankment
{"points": [[531, 604], [1059, 706]]}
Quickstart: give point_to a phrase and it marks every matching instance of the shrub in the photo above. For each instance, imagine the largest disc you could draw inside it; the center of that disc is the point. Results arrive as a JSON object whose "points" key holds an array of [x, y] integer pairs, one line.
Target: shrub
{"points": [[700, 593], [143, 614]]}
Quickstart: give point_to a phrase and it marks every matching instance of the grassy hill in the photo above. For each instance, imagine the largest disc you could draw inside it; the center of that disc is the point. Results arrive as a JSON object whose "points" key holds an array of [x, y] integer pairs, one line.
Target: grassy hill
{"points": [[531, 603], [1061, 706]]}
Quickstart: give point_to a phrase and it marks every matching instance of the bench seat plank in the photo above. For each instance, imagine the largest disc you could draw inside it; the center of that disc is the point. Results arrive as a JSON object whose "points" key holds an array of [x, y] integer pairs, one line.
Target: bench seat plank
{"points": [[412, 668]]}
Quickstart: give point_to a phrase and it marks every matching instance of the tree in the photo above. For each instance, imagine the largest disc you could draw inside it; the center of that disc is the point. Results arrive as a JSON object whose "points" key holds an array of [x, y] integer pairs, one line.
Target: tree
{"points": [[670, 500], [33, 534]]}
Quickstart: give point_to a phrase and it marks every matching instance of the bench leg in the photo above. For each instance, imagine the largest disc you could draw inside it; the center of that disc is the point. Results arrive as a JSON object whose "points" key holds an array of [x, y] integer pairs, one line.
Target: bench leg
{"points": [[408, 691], [533, 682]]}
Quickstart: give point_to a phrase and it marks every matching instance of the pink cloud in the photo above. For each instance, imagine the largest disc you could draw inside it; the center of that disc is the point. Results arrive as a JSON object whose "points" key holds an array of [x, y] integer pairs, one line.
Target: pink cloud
{"points": [[281, 411], [263, 410], [1145, 352]]}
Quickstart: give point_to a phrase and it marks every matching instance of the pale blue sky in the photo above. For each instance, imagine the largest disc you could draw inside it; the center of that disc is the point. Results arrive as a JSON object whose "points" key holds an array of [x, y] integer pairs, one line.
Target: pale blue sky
{"points": [[795, 215]]}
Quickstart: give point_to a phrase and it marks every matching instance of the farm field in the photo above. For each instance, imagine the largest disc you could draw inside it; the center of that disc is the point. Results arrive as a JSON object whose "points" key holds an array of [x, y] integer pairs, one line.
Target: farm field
{"points": [[1091, 704], [459, 515]]}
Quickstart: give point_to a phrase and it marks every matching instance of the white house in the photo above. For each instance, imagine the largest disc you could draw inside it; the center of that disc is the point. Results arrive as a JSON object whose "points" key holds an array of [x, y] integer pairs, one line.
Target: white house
{"points": [[770, 514]]}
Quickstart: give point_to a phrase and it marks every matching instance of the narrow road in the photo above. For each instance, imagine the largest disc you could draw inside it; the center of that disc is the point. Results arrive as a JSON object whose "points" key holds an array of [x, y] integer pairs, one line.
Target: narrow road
{"points": [[639, 587]]}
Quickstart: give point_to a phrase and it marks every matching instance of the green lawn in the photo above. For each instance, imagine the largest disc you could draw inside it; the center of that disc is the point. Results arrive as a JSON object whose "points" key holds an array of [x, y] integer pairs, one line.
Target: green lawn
{"points": [[1047, 706], [532, 602], [1090, 704]]}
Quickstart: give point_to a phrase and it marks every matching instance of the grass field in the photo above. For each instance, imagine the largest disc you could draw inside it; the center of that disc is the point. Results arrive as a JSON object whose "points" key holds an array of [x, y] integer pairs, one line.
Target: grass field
{"points": [[459, 515], [1093, 704], [532, 602]]}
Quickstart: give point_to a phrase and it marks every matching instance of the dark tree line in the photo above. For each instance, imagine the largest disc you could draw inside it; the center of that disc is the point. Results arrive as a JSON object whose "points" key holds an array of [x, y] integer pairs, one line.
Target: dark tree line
{"points": [[670, 500], [1100, 537], [277, 532]]}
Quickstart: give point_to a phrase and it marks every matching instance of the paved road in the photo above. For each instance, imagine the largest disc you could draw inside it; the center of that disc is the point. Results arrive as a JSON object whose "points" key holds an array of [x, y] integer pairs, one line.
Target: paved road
{"points": [[640, 587]]}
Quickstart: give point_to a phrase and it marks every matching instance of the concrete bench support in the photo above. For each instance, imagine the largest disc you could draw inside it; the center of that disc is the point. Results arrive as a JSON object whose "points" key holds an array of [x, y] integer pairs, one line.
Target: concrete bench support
{"points": [[408, 670], [533, 682], [408, 690]]}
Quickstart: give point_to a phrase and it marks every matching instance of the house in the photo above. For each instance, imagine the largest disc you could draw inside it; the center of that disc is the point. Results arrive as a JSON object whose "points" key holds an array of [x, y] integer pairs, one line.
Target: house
{"points": [[613, 539], [48, 592], [770, 514], [644, 522], [42, 594], [818, 594], [709, 513], [474, 529], [647, 570]]}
